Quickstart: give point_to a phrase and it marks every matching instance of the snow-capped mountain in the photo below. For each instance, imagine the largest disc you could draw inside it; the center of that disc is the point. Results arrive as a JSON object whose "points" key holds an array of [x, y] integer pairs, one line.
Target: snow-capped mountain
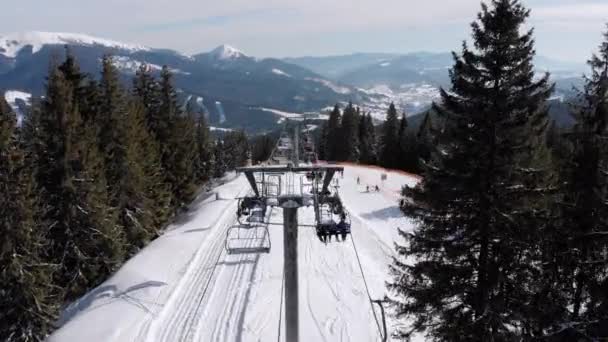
{"points": [[225, 75], [227, 52], [12, 44]]}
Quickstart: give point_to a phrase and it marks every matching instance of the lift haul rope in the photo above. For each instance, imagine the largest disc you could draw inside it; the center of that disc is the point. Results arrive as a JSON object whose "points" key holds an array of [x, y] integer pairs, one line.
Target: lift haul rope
{"points": [[369, 297], [281, 306]]}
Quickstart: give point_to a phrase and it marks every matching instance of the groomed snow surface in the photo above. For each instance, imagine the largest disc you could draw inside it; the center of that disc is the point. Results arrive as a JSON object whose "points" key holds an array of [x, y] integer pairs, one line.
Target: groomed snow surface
{"points": [[185, 287]]}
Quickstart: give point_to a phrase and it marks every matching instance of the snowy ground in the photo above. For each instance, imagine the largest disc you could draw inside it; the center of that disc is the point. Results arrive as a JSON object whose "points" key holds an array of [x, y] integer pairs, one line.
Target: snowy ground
{"points": [[185, 287]]}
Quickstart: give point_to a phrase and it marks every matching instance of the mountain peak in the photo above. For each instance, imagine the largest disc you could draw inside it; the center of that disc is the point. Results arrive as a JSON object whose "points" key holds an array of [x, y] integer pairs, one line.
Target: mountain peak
{"points": [[11, 44], [224, 52]]}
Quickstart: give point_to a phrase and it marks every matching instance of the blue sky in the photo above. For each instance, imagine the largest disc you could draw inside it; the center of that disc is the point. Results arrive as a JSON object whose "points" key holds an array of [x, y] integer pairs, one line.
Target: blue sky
{"points": [[565, 29]]}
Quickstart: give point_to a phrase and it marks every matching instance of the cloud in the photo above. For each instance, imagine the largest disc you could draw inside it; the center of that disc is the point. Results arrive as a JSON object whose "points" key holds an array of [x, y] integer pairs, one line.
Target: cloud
{"points": [[216, 20], [279, 27]]}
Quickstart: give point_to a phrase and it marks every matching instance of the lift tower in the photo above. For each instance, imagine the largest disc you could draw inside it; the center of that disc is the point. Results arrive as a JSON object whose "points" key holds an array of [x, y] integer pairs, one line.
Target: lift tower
{"points": [[290, 202]]}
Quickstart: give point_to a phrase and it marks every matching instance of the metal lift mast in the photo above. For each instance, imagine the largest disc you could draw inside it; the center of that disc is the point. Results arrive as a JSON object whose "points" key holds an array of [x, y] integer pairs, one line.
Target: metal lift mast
{"points": [[290, 204]]}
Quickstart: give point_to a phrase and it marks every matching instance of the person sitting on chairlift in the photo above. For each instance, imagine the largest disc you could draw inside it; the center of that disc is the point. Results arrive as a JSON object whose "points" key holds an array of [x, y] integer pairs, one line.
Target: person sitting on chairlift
{"points": [[342, 223]]}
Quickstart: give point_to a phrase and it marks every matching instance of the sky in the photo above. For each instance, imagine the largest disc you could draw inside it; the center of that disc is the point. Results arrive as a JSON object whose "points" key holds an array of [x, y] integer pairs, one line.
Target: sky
{"points": [[568, 30]]}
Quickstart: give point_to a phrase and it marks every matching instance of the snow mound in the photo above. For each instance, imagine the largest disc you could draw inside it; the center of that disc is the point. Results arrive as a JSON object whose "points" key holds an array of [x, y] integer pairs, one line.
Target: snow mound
{"points": [[130, 65], [12, 44], [227, 52], [280, 72], [16, 99]]}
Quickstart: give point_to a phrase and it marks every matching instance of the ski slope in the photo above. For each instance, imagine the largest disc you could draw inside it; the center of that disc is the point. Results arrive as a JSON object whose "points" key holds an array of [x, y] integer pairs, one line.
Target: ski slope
{"points": [[185, 287]]}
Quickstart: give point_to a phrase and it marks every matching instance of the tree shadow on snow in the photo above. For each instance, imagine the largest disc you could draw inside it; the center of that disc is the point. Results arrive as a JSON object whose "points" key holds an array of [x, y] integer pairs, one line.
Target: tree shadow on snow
{"points": [[384, 214], [112, 293]]}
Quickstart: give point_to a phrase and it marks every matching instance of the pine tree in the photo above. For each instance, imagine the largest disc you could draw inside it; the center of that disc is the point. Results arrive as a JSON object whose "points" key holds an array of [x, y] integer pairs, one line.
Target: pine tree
{"points": [[408, 153], [367, 140], [477, 265], [132, 173], [349, 142], [389, 141], [262, 147], [204, 165], [86, 242], [424, 140], [334, 141], [147, 89], [219, 156], [322, 145], [27, 306], [236, 149], [176, 136], [584, 214]]}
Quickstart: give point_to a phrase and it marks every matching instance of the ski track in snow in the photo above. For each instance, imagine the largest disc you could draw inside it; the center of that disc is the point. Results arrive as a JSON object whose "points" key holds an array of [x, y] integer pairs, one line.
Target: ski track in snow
{"points": [[217, 296], [178, 318]]}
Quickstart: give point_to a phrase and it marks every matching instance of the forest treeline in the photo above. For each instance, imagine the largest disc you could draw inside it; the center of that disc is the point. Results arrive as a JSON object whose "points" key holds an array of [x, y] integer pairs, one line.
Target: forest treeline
{"points": [[94, 173], [350, 135]]}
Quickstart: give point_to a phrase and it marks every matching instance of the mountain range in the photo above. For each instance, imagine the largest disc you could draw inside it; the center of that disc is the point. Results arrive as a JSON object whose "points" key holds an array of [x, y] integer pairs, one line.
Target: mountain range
{"points": [[239, 91]]}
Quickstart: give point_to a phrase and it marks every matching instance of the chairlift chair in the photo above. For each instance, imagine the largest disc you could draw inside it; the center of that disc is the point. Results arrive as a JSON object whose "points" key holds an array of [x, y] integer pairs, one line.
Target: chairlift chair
{"points": [[249, 239], [251, 235], [333, 221]]}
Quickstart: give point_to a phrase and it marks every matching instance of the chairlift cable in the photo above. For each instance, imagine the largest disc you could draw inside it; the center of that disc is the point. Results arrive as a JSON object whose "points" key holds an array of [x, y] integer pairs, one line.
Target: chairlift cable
{"points": [[369, 297]]}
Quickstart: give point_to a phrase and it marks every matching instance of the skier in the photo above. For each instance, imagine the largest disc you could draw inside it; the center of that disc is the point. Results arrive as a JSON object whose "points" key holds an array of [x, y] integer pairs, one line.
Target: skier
{"points": [[358, 181], [367, 188], [377, 188]]}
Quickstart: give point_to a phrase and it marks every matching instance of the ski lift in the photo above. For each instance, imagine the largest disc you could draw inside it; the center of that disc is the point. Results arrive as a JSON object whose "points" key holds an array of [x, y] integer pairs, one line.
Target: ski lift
{"points": [[332, 218], [251, 210], [248, 239], [332, 224], [251, 235]]}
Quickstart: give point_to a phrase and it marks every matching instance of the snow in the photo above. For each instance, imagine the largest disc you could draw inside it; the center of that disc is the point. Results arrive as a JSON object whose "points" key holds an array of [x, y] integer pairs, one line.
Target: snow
{"points": [[411, 97], [226, 52], [220, 129], [185, 287], [130, 65], [12, 44], [336, 88], [385, 64], [286, 115], [13, 98], [220, 109], [280, 72], [310, 128]]}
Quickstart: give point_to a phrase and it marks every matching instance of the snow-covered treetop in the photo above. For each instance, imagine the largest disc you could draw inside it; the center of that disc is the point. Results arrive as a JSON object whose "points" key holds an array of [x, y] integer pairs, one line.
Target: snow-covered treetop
{"points": [[11, 44], [224, 52]]}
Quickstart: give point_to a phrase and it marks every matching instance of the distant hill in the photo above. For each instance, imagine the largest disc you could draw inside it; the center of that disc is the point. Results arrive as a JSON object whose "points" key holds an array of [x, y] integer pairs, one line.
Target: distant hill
{"points": [[229, 85]]}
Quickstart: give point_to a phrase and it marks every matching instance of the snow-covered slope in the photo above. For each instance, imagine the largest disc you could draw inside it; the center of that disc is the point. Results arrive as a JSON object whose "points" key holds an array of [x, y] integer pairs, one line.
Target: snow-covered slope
{"points": [[12, 44], [18, 101], [185, 287]]}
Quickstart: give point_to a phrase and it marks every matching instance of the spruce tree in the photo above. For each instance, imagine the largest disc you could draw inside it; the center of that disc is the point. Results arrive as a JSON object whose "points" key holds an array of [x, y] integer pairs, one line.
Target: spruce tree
{"points": [[475, 246], [175, 133], [349, 142], [389, 141], [85, 241], [584, 214], [219, 155], [204, 150], [123, 139], [323, 143], [27, 305], [367, 140], [334, 141]]}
